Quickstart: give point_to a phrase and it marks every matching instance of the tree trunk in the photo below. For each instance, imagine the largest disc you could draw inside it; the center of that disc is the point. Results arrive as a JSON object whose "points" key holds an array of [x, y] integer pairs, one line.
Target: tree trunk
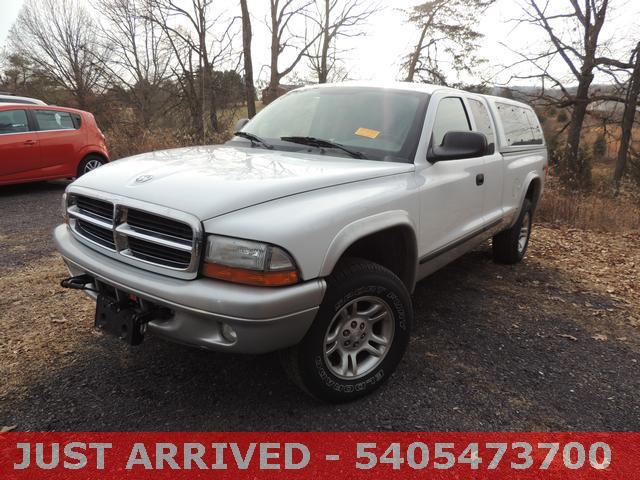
{"points": [[577, 167], [274, 77], [413, 61], [208, 88], [248, 65], [323, 72], [628, 118]]}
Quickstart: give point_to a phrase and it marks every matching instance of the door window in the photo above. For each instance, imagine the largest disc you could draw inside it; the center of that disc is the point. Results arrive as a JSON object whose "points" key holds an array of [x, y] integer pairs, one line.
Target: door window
{"points": [[13, 121], [450, 117], [54, 120], [483, 122]]}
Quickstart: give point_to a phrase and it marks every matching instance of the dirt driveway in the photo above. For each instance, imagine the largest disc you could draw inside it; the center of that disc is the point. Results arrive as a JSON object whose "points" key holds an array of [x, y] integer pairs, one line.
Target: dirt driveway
{"points": [[552, 344]]}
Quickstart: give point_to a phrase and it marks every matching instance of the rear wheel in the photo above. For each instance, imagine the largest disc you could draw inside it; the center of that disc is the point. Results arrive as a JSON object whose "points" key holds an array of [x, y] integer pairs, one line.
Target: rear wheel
{"points": [[359, 336], [89, 163], [510, 246]]}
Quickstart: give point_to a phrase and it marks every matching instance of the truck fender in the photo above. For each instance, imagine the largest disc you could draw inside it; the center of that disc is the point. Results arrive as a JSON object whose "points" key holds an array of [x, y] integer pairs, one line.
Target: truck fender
{"points": [[531, 177], [359, 229]]}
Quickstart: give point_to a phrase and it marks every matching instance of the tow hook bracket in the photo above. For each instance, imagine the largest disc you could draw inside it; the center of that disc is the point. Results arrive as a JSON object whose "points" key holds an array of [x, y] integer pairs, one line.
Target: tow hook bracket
{"points": [[79, 282]]}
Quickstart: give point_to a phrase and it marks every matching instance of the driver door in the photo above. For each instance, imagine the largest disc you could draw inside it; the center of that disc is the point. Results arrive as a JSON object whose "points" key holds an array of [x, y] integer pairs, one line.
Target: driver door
{"points": [[452, 194]]}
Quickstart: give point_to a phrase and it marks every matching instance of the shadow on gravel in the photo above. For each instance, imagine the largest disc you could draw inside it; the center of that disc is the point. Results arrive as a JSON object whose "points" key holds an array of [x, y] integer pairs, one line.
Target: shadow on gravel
{"points": [[27, 189], [486, 355]]}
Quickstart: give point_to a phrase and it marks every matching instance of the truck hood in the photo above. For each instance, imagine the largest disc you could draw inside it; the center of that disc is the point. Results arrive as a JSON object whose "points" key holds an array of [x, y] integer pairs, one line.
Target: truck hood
{"points": [[208, 181]]}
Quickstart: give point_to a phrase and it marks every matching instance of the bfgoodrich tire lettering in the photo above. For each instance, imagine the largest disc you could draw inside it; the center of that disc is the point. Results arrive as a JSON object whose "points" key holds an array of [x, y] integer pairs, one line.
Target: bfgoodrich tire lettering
{"points": [[353, 280]]}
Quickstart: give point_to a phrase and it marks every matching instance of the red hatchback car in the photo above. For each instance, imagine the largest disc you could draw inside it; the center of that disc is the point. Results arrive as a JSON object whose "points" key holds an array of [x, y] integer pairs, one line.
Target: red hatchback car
{"points": [[44, 142]]}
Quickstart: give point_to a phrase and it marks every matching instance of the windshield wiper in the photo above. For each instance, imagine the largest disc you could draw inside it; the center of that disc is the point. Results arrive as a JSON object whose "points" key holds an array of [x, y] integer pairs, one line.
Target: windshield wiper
{"points": [[320, 143], [255, 140]]}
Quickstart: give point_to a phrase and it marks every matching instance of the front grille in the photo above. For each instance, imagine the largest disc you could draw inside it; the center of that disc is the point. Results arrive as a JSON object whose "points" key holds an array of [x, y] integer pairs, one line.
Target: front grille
{"points": [[152, 252], [97, 234], [137, 235], [96, 207], [145, 221]]}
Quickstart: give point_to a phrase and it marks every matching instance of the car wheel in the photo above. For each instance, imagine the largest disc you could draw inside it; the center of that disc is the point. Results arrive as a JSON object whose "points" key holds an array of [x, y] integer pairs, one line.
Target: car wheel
{"points": [[89, 163], [510, 246], [358, 337]]}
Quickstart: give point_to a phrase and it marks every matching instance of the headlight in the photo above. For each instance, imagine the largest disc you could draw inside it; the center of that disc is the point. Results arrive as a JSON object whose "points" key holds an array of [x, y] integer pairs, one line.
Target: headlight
{"points": [[249, 262]]}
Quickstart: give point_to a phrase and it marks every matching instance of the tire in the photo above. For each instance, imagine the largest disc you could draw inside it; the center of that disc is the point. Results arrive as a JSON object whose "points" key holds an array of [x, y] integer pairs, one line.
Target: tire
{"points": [[510, 246], [89, 163], [385, 315]]}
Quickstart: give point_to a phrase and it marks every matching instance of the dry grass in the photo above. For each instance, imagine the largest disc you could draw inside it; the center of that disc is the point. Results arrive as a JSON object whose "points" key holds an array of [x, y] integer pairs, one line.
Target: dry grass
{"points": [[590, 211], [128, 138], [596, 210], [41, 321]]}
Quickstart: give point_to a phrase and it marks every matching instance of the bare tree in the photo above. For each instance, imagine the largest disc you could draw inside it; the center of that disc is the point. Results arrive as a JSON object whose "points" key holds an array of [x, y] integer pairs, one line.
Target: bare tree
{"points": [[248, 63], [335, 19], [59, 38], [448, 38], [574, 38], [628, 118], [141, 56], [200, 43], [283, 13]]}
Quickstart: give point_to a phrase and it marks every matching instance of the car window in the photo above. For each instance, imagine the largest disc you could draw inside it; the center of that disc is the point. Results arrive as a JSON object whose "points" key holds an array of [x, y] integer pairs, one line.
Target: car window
{"points": [[538, 139], [13, 121], [450, 117], [517, 124], [483, 121], [54, 120]]}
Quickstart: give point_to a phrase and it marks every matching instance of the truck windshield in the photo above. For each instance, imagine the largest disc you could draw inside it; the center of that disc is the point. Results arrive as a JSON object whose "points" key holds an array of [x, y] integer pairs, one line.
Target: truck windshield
{"points": [[370, 123]]}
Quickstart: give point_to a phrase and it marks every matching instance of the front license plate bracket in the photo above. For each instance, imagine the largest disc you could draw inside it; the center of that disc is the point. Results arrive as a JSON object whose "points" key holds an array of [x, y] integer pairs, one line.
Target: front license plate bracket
{"points": [[121, 320]]}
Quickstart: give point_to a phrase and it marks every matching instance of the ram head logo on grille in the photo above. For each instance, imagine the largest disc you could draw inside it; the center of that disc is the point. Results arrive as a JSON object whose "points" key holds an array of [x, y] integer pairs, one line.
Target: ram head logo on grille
{"points": [[143, 178]]}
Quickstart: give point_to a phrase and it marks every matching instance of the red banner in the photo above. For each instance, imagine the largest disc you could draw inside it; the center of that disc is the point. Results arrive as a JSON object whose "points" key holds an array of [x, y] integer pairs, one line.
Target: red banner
{"points": [[78, 455]]}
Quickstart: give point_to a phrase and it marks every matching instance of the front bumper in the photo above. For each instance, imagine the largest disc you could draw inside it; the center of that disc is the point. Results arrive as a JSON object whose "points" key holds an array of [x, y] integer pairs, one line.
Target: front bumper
{"points": [[265, 319]]}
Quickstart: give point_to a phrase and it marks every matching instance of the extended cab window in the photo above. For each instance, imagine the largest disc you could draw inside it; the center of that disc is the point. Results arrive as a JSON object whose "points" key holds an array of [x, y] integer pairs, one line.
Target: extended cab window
{"points": [[450, 117], [483, 121], [54, 120], [13, 121], [518, 124]]}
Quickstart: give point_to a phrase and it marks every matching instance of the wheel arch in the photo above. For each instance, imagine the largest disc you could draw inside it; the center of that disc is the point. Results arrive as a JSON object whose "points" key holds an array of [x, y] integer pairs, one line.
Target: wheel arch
{"points": [[534, 191], [387, 238]]}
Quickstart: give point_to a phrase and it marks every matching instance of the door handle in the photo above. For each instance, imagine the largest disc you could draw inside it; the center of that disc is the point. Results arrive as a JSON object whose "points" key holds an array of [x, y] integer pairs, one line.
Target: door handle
{"points": [[480, 179], [30, 142]]}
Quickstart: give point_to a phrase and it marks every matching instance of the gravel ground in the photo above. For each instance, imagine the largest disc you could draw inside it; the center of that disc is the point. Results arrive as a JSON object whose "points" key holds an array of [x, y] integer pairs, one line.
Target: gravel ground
{"points": [[551, 344]]}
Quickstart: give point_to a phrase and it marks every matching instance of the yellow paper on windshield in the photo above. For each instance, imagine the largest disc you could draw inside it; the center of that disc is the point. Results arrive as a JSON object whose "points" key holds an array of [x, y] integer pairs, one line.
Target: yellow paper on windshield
{"points": [[367, 132]]}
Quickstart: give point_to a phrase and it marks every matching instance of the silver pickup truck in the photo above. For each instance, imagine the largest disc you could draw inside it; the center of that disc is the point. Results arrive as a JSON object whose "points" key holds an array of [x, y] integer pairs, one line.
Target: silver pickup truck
{"points": [[307, 232]]}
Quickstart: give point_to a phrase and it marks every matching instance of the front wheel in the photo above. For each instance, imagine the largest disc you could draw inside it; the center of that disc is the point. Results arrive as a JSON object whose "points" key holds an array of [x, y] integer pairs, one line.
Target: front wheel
{"points": [[89, 163], [359, 336]]}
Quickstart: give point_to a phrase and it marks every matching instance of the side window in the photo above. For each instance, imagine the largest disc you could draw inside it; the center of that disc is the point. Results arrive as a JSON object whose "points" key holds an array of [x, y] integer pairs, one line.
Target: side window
{"points": [[54, 120], [483, 121], [77, 120], [518, 126], [13, 121], [451, 116], [538, 138]]}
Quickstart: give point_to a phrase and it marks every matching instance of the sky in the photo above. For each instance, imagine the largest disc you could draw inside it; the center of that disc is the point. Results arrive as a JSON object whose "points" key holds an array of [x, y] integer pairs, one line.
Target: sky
{"points": [[377, 54]]}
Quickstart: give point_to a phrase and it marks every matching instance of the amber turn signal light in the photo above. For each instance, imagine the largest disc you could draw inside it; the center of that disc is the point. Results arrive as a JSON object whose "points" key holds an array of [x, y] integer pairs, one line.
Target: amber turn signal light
{"points": [[250, 277]]}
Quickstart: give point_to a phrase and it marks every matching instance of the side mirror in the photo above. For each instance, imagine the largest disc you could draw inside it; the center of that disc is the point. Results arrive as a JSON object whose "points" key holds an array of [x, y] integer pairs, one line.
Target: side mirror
{"points": [[459, 145], [241, 123]]}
